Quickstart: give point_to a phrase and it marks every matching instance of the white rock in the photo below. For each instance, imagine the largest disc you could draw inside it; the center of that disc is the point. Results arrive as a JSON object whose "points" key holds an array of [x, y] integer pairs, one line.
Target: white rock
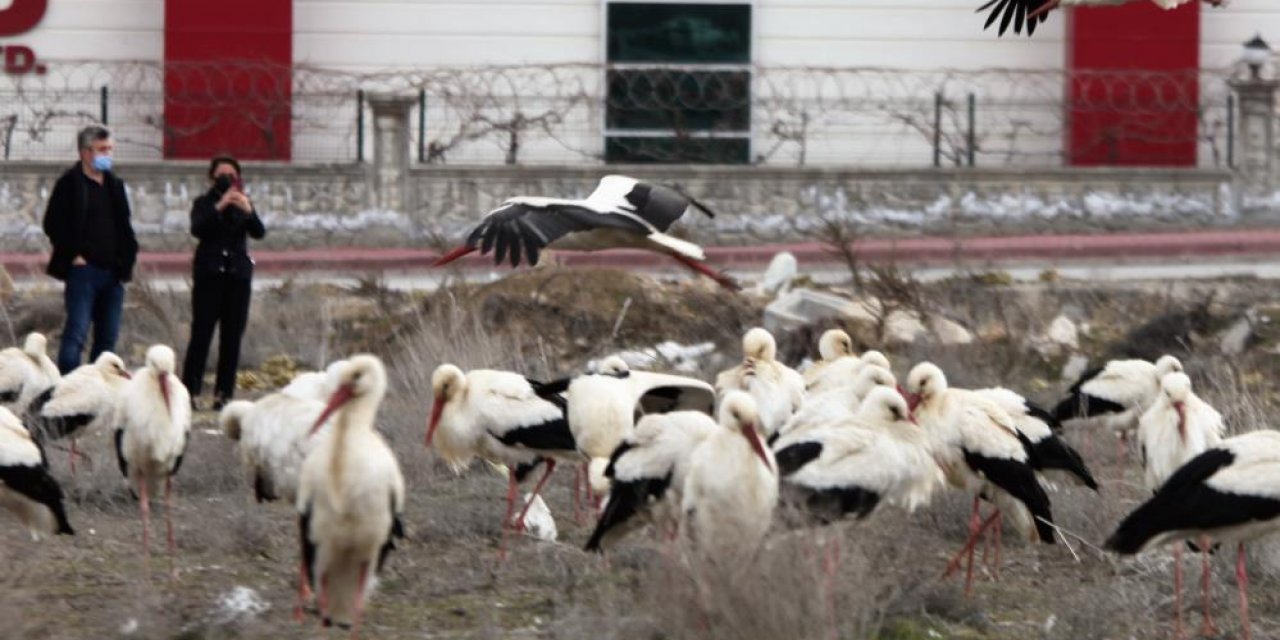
{"points": [[538, 522], [949, 332], [903, 327], [1075, 367], [1062, 331], [241, 602], [1234, 340], [780, 274]]}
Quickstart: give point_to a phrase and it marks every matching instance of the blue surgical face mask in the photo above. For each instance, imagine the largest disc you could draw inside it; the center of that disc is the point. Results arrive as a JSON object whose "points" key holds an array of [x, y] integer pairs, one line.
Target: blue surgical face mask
{"points": [[102, 162]]}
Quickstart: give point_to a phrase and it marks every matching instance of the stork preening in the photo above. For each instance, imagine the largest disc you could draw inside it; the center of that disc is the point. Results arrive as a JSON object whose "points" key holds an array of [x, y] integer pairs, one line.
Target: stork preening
{"points": [[980, 450], [647, 473], [1115, 394], [839, 365], [1051, 456], [26, 488], [778, 390], [840, 403], [272, 433], [350, 498], [1229, 493], [26, 373], [82, 400], [499, 417], [1176, 428], [732, 487], [621, 213], [1033, 12], [153, 427]]}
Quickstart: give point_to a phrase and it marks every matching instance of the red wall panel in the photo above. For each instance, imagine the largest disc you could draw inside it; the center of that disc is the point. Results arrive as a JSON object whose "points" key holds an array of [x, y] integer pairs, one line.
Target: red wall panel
{"points": [[1133, 87], [228, 78]]}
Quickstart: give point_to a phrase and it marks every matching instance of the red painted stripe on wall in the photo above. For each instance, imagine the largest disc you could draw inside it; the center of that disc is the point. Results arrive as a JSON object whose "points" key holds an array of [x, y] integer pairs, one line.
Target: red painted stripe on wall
{"points": [[228, 78], [1133, 88]]}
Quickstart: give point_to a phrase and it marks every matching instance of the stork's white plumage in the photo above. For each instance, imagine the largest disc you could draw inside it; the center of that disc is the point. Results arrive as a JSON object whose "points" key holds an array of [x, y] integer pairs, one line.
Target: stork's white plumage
{"points": [[853, 465], [839, 365], [976, 444], [350, 497], [647, 475], [26, 488], [1177, 427], [833, 345], [840, 403], [732, 488], [153, 422], [778, 390], [1033, 12], [80, 401], [1121, 390], [314, 385], [1229, 493], [272, 433], [26, 373], [498, 416], [603, 407], [622, 212]]}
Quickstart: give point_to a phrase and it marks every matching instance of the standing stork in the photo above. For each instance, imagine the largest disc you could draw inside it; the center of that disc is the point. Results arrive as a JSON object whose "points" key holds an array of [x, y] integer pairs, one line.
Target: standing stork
{"points": [[26, 488], [498, 416], [979, 448], [1229, 493], [26, 373], [732, 488], [350, 498], [1033, 12], [1116, 394], [82, 400], [778, 390], [1176, 428], [621, 213], [153, 425], [647, 474]]}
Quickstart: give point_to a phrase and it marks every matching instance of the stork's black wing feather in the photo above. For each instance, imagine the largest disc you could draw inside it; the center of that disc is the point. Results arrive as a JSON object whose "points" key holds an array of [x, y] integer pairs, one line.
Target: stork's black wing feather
{"points": [[520, 231], [1015, 12]]}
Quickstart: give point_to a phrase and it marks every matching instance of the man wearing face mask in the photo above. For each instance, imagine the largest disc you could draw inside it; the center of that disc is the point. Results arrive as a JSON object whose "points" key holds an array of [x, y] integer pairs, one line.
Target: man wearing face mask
{"points": [[221, 219], [94, 247]]}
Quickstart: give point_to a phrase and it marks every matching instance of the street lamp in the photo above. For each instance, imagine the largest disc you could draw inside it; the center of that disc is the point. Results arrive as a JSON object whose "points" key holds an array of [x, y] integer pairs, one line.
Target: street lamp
{"points": [[1256, 53]]}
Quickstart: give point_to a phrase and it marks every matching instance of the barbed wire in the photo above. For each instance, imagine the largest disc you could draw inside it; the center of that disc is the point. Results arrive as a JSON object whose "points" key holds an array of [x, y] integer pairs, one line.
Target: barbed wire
{"points": [[573, 113]]}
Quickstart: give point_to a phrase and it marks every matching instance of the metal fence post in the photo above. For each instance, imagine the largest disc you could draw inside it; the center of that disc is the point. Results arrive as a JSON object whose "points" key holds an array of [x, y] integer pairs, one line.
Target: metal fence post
{"points": [[1231, 130], [359, 125], [102, 104], [422, 125], [937, 129], [973, 134]]}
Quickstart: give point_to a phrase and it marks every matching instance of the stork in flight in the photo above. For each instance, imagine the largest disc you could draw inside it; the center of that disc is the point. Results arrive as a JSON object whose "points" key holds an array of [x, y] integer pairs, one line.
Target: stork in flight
{"points": [[622, 213], [1033, 12]]}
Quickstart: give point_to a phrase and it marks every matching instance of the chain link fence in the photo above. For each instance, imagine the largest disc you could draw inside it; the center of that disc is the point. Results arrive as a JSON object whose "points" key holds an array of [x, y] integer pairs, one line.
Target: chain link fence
{"points": [[590, 113]]}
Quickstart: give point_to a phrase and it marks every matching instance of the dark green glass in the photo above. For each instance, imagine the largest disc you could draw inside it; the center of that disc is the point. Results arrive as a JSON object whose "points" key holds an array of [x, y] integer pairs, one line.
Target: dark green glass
{"points": [[679, 32]]}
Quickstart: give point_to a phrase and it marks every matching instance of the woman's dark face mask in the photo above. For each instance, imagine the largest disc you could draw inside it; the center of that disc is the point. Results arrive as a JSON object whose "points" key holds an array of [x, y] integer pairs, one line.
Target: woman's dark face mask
{"points": [[222, 183]]}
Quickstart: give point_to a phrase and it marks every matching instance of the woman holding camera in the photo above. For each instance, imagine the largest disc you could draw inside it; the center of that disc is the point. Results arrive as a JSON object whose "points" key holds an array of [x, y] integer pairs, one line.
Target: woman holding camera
{"points": [[221, 219]]}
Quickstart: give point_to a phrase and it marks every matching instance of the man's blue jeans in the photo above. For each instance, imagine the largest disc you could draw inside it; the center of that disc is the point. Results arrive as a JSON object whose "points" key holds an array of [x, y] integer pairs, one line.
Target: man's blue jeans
{"points": [[92, 294]]}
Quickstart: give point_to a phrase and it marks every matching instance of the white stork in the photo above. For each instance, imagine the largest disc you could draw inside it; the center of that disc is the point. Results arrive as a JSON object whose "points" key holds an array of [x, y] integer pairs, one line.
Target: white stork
{"points": [[153, 424], [1229, 493], [836, 404], [498, 416], [314, 385], [833, 345], [1052, 457], [621, 213], [81, 401], [851, 466], [977, 445], [1033, 12], [26, 488], [647, 474], [350, 498], [777, 389], [26, 373], [1176, 428], [272, 436], [732, 488], [1115, 394]]}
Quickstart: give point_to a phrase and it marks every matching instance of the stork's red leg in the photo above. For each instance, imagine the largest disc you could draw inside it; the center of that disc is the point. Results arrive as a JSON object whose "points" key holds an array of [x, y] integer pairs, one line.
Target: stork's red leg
{"points": [[702, 268], [1207, 628], [168, 522], [1177, 590], [324, 601], [537, 489], [506, 519], [577, 494], [452, 255], [304, 589], [145, 503], [1242, 580], [968, 548], [359, 604]]}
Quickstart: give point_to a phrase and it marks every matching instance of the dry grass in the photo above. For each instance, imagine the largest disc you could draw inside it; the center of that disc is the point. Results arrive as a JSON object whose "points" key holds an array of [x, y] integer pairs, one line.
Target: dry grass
{"points": [[445, 580]]}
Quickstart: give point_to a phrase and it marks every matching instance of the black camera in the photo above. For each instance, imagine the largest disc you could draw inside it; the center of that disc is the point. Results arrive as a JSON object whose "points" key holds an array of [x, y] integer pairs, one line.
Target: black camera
{"points": [[222, 184]]}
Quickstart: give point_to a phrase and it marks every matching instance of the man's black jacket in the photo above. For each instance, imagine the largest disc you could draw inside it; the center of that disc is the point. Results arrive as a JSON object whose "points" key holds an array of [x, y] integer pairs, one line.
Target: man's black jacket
{"points": [[64, 223]]}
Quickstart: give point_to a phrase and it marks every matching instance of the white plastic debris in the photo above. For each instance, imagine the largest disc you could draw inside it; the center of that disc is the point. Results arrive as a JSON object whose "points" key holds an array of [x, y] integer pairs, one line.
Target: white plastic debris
{"points": [[538, 522], [779, 275], [240, 603]]}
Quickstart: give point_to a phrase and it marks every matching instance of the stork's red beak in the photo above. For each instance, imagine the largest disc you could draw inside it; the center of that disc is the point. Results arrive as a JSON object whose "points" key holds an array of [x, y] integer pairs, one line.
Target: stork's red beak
{"points": [[913, 399], [749, 432], [1181, 408], [164, 391], [339, 398], [437, 407], [125, 374], [453, 255]]}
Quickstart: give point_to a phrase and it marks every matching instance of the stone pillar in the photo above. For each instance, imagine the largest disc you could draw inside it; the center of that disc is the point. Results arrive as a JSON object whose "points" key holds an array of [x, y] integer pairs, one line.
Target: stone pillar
{"points": [[389, 171], [1256, 150]]}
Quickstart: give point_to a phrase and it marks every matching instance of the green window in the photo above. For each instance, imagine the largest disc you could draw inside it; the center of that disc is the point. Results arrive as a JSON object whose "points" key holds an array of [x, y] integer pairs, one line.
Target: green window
{"points": [[679, 82]]}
